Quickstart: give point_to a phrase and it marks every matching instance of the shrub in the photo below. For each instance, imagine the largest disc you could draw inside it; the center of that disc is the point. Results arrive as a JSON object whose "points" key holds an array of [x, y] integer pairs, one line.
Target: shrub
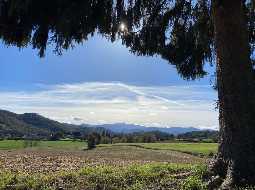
{"points": [[91, 141]]}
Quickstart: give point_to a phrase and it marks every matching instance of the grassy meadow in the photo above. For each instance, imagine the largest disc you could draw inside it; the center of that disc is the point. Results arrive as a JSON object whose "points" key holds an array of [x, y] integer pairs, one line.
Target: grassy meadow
{"points": [[204, 149], [190, 148], [194, 148], [57, 145]]}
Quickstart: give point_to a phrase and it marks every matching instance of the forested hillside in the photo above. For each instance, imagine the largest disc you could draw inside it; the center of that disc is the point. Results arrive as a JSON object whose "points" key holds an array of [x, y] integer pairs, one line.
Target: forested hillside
{"points": [[31, 125]]}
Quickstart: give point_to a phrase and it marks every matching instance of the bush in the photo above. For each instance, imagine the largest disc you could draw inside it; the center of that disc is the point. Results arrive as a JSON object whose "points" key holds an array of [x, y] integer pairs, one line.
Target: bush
{"points": [[91, 141]]}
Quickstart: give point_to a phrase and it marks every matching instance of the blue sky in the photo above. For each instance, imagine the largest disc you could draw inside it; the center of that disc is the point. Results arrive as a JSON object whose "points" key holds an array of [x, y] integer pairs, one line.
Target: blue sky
{"points": [[101, 82]]}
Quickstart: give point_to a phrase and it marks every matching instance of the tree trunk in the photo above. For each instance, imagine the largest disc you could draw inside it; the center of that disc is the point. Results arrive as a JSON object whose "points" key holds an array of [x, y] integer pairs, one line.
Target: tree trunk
{"points": [[235, 162]]}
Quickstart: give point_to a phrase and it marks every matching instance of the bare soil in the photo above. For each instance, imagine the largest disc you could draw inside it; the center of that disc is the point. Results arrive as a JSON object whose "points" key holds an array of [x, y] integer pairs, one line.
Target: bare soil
{"points": [[50, 161]]}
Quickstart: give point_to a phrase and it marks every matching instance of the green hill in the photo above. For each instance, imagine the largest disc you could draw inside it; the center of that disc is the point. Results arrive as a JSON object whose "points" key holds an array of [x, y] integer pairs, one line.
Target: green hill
{"points": [[32, 125], [12, 125]]}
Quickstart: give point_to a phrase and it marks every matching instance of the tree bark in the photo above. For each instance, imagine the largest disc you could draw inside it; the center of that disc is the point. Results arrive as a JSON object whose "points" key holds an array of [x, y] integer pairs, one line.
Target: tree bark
{"points": [[235, 162]]}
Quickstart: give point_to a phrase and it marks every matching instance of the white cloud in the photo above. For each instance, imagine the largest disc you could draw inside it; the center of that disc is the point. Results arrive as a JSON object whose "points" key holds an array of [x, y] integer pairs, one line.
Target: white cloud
{"points": [[117, 102]]}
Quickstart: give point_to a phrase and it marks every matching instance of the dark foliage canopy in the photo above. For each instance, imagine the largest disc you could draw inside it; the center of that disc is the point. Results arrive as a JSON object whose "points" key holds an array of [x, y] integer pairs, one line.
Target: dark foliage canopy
{"points": [[180, 31]]}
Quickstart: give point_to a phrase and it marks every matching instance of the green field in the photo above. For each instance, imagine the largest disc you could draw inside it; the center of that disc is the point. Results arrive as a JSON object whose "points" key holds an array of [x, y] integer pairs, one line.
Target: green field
{"points": [[191, 148], [11, 144], [194, 148], [57, 145]]}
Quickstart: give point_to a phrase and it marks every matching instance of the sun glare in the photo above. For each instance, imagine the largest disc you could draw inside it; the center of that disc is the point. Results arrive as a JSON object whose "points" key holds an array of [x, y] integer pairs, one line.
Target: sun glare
{"points": [[123, 27]]}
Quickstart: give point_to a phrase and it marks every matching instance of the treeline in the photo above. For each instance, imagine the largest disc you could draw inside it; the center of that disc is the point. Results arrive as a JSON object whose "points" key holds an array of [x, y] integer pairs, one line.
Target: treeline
{"points": [[94, 139], [142, 137], [196, 136], [53, 136]]}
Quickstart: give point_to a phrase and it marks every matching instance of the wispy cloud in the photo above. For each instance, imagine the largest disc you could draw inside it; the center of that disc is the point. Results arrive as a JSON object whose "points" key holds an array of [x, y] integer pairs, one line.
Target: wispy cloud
{"points": [[117, 102]]}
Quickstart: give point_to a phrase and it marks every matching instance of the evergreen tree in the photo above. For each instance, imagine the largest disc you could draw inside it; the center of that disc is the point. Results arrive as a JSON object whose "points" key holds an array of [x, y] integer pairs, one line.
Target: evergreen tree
{"points": [[187, 33], [91, 141]]}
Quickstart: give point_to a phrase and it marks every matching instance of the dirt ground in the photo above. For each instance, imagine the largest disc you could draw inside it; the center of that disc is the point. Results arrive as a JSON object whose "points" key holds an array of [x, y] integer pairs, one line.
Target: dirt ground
{"points": [[47, 161]]}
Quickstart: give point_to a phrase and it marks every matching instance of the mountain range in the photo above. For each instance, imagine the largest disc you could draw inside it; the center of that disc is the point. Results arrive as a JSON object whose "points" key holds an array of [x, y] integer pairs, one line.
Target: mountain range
{"points": [[131, 128], [35, 125]]}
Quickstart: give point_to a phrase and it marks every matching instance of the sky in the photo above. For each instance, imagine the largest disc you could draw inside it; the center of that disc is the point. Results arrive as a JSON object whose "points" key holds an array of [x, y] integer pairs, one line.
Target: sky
{"points": [[101, 82]]}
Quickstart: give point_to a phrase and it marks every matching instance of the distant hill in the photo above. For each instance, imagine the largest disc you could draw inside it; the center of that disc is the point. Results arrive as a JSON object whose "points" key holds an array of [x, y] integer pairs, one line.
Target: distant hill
{"points": [[11, 124], [36, 126], [44, 123], [32, 125], [131, 128]]}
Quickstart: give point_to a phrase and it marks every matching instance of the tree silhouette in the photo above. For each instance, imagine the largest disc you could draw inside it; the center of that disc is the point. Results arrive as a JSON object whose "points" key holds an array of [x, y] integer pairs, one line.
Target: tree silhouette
{"points": [[187, 33]]}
